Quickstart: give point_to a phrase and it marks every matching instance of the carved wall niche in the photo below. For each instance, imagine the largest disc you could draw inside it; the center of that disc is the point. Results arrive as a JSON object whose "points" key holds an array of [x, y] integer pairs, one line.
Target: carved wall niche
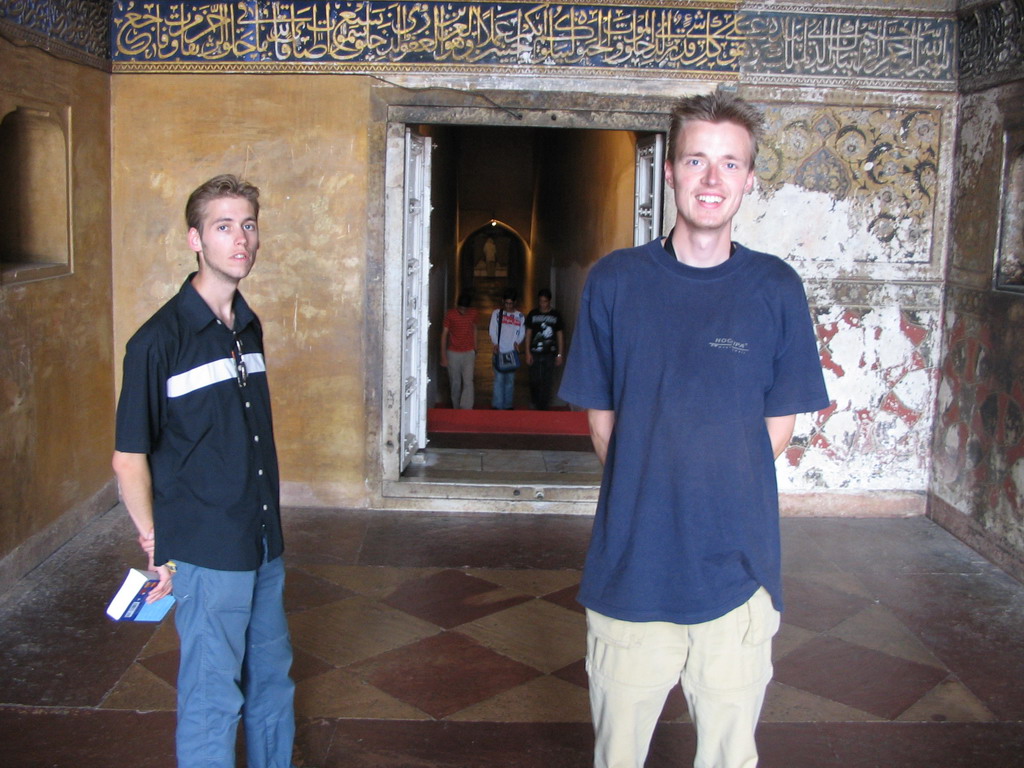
{"points": [[1010, 258], [35, 216]]}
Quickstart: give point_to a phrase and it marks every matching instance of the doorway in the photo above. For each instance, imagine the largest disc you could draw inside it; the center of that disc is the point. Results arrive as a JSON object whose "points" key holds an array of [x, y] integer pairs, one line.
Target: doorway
{"points": [[526, 206]]}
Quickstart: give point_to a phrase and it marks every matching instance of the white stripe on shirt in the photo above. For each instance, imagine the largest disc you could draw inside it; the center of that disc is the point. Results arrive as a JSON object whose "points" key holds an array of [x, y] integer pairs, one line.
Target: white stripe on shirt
{"points": [[213, 373]]}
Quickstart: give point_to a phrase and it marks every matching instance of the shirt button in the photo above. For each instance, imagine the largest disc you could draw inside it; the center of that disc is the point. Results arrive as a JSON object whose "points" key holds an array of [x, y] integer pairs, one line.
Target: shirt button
{"points": [[256, 438], [248, 404], [264, 507], [260, 473]]}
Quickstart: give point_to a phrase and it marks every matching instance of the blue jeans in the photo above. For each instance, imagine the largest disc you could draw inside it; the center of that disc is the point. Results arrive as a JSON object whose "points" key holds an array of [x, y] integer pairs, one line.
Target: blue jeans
{"points": [[504, 388], [235, 658]]}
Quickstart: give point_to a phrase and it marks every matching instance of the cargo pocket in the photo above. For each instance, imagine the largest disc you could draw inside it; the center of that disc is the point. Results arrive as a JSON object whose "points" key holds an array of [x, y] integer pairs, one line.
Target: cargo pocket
{"points": [[633, 653], [763, 619]]}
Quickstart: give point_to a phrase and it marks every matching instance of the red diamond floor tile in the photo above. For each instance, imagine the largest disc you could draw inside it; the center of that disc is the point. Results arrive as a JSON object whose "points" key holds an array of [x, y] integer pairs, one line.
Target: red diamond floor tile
{"points": [[443, 673], [858, 677], [303, 591], [450, 598]]}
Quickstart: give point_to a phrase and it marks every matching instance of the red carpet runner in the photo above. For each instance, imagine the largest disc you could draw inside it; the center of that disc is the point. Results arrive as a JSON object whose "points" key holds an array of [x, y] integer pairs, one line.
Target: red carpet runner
{"points": [[481, 421]]}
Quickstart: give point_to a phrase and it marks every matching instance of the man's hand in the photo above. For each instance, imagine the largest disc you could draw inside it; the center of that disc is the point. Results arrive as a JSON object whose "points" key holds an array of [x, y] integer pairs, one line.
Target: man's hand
{"points": [[163, 589]]}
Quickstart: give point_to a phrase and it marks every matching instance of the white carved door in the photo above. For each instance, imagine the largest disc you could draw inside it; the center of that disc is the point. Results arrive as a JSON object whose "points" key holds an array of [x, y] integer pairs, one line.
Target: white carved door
{"points": [[415, 279], [650, 158]]}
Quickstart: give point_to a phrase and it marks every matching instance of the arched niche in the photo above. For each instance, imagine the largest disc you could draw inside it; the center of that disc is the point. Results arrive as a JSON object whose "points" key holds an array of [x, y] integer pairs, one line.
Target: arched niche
{"points": [[492, 259], [35, 239]]}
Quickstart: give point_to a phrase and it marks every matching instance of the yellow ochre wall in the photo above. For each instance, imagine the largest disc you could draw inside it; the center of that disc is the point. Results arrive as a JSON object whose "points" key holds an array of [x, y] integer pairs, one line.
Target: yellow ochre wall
{"points": [[55, 359], [303, 141]]}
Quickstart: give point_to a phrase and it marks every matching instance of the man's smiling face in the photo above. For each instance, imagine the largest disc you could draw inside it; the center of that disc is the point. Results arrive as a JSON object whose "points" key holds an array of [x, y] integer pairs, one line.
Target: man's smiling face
{"points": [[710, 173]]}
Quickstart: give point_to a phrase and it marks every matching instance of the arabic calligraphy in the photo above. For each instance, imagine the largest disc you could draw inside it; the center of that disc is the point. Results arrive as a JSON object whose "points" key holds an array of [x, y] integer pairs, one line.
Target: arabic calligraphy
{"points": [[849, 46], [81, 24], [427, 32], [992, 43], [668, 37]]}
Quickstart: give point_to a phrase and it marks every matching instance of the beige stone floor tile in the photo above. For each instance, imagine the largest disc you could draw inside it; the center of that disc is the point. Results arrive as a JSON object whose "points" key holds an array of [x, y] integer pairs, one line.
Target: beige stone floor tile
{"points": [[528, 581], [541, 634], [544, 700], [351, 630], [876, 627], [784, 704], [950, 702], [368, 580], [340, 694], [139, 690], [164, 638], [789, 638]]}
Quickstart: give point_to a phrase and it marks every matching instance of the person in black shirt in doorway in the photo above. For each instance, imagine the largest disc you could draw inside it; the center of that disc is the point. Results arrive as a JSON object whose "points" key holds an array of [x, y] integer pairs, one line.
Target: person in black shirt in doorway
{"points": [[545, 348]]}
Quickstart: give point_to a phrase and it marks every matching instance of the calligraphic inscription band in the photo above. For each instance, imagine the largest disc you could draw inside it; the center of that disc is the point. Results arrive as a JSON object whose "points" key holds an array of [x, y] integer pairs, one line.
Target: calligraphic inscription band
{"points": [[831, 45], [381, 32], [992, 44], [81, 25]]}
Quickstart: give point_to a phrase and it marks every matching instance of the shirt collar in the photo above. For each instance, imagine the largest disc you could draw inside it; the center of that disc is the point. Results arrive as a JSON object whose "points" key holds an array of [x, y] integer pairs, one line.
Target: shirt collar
{"points": [[672, 249], [198, 313]]}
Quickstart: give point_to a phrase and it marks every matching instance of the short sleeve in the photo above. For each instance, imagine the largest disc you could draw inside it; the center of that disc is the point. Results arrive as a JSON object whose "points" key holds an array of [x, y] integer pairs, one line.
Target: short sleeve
{"points": [[798, 385], [588, 378], [140, 405]]}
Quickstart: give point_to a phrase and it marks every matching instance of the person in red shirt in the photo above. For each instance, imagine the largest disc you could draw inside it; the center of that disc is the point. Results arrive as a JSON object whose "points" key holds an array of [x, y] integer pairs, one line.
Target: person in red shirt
{"points": [[458, 350]]}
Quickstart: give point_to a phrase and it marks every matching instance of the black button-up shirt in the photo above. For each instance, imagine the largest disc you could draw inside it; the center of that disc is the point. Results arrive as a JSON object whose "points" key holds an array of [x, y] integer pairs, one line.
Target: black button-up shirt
{"points": [[210, 440]]}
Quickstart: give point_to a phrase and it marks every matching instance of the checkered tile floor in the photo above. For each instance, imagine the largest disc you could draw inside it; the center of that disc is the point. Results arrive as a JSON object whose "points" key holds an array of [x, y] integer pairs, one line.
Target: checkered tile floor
{"points": [[455, 640]]}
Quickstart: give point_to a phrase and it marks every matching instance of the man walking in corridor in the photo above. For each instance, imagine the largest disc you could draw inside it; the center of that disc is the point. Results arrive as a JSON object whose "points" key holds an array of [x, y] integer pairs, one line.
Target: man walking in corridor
{"points": [[458, 350], [693, 354]]}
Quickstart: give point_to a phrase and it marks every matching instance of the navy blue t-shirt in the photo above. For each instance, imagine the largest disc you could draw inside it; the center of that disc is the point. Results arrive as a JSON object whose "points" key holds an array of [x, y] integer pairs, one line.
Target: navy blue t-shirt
{"points": [[210, 441], [691, 361]]}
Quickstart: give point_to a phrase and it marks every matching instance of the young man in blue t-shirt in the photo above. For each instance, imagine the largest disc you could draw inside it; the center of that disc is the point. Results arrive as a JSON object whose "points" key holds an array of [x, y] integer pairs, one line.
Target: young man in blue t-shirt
{"points": [[693, 355]]}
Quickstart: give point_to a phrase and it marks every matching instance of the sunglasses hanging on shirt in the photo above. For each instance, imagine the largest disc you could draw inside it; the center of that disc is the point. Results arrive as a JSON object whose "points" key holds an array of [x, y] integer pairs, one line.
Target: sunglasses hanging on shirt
{"points": [[236, 355]]}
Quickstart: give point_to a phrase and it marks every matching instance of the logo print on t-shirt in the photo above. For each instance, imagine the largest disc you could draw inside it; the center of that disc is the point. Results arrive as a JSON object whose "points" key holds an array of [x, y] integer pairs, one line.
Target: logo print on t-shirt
{"points": [[739, 347]]}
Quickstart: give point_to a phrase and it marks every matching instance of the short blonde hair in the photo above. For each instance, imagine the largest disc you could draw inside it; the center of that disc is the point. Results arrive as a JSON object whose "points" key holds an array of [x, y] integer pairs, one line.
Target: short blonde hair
{"points": [[225, 185], [719, 107]]}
